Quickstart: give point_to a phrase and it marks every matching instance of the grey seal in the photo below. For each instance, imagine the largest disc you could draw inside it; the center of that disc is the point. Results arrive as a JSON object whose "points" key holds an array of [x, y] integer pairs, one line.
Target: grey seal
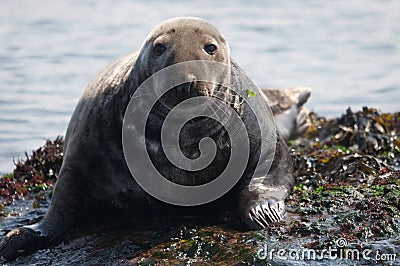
{"points": [[94, 170]]}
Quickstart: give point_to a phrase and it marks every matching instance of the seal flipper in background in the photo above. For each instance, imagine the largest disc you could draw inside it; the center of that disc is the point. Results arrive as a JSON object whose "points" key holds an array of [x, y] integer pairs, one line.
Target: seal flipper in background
{"points": [[64, 211], [290, 115]]}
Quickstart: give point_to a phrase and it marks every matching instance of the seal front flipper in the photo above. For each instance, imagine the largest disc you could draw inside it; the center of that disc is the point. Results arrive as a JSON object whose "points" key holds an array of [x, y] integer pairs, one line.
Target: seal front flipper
{"points": [[64, 210], [266, 212], [261, 211], [263, 206]]}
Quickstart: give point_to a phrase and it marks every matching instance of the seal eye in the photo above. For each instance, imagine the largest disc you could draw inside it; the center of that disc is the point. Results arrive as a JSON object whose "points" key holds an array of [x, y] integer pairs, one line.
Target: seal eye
{"points": [[159, 49], [210, 48]]}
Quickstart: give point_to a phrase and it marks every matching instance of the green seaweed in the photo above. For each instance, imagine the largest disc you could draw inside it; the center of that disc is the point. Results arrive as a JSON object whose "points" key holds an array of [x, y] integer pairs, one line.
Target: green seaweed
{"points": [[6, 176], [250, 93]]}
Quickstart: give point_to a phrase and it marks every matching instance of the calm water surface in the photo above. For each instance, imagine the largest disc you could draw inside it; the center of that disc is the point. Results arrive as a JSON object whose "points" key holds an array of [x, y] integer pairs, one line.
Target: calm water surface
{"points": [[347, 51]]}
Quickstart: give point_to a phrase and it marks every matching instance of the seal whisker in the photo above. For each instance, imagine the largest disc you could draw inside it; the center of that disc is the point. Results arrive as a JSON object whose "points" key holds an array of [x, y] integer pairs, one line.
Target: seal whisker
{"points": [[140, 95], [222, 111]]}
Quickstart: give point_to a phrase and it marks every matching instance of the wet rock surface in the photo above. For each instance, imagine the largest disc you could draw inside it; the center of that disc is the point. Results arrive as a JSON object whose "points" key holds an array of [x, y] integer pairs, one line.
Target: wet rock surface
{"points": [[346, 201]]}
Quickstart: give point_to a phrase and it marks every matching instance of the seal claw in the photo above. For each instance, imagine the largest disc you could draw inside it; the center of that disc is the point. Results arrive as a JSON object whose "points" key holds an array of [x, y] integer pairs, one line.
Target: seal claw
{"points": [[266, 213]]}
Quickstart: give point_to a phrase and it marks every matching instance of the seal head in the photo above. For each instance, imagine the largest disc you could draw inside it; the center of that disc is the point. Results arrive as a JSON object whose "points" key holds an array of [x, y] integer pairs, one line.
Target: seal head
{"points": [[179, 40]]}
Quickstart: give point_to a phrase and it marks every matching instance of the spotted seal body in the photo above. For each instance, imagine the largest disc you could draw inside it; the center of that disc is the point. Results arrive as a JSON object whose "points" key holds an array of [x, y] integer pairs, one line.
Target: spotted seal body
{"points": [[94, 170]]}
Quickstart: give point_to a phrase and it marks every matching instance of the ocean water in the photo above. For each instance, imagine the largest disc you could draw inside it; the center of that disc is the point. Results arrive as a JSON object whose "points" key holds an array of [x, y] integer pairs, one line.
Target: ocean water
{"points": [[347, 51]]}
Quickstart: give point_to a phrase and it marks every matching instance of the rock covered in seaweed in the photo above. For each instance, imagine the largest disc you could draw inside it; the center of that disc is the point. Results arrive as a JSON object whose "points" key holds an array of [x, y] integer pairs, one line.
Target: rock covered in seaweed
{"points": [[354, 148], [347, 186], [366, 131], [35, 174]]}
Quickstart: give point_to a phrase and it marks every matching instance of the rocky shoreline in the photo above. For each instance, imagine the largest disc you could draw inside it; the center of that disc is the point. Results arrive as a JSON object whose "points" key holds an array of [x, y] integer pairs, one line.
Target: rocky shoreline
{"points": [[347, 189]]}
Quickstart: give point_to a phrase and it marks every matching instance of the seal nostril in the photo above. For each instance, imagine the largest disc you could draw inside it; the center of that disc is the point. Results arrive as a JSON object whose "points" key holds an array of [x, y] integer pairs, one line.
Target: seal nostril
{"points": [[192, 85], [183, 91], [193, 88]]}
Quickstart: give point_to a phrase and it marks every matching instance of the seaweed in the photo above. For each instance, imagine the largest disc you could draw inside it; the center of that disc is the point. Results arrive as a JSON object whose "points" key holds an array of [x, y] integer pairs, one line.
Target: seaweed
{"points": [[34, 175]]}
